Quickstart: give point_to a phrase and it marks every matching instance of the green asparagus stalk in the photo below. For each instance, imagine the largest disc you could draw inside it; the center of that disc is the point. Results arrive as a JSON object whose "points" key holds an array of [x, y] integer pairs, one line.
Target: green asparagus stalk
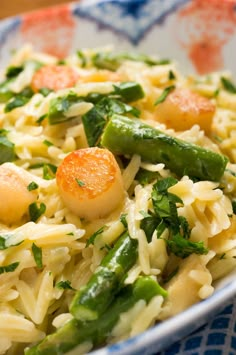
{"points": [[94, 298], [76, 332], [131, 136]]}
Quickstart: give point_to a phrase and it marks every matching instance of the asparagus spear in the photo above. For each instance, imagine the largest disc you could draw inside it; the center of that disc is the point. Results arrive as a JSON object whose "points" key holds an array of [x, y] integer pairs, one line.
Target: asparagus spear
{"points": [[94, 298], [131, 136], [76, 332]]}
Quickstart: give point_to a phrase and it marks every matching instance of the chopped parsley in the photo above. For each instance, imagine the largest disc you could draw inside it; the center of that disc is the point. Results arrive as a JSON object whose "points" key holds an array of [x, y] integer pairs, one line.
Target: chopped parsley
{"points": [[228, 85], [9, 268], [45, 91], [64, 285], [32, 186], [123, 219], [222, 256], [3, 242], [13, 71], [35, 211], [92, 238], [82, 57], [49, 171], [41, 118], [96, 119], [47, 143], [145, 177], [80, 182], [165, 216], [164, 94], [19, 99], [37, 166], [61, 62], [234, 206], [216, 92], [37, 253], [182, 247], [59, 106], [149, 224], [171, 75]]}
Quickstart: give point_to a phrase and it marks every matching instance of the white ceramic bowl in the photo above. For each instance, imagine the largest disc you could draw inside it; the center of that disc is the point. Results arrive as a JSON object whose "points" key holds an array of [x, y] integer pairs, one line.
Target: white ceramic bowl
{"points": [[200, 35]]}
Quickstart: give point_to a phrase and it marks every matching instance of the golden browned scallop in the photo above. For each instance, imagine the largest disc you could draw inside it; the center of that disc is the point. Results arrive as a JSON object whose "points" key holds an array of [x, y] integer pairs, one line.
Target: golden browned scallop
{"points": [[184, 108], [99, 76], [14, 195], [90, 182], [54, 77]]}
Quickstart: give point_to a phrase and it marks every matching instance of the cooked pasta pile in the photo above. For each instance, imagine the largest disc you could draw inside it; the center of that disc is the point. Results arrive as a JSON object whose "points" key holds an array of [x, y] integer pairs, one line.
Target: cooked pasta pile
{"points": [[117, 181]]}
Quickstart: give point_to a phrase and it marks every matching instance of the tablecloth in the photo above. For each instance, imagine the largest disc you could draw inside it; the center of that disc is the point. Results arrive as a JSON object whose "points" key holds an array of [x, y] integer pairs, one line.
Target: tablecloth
{"points": [[217, 337]]}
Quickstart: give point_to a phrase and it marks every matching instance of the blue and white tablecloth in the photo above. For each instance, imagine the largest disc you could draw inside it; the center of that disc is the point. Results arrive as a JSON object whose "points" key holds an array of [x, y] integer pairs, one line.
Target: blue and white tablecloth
{"points": [[218, 337]]}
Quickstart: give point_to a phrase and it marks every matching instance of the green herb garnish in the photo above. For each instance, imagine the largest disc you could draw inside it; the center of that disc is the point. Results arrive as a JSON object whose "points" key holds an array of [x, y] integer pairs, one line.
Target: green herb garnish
{"points": [[164, 94], [35, 211], [3, 242], [80, 182], [123, 219], [13, 71], [41, 118], [37, 253], [49, 171], [222, 256], [228, 85], [47, 143], [171, 75], [182, 247], [32, 186], [234, 206], [9, 268], [45, 91], [19, 99], [82, 58], [64, 285], [92, 238], [165, 216], [145, 177], [59, 106]]}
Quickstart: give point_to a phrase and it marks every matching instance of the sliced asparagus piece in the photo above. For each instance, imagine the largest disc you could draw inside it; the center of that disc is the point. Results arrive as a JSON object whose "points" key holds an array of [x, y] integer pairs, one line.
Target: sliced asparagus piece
{"points": [[76, 332], [95, 297], [127, 136]]}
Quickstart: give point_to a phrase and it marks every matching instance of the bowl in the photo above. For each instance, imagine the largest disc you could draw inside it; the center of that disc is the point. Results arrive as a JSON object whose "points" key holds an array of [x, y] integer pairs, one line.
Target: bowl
{"points": [[199, 35]]}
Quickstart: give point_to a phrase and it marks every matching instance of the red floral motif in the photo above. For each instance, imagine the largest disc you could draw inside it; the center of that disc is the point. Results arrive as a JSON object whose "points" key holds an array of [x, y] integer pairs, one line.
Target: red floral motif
{"points": [[204, 28], [50, 30]]}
